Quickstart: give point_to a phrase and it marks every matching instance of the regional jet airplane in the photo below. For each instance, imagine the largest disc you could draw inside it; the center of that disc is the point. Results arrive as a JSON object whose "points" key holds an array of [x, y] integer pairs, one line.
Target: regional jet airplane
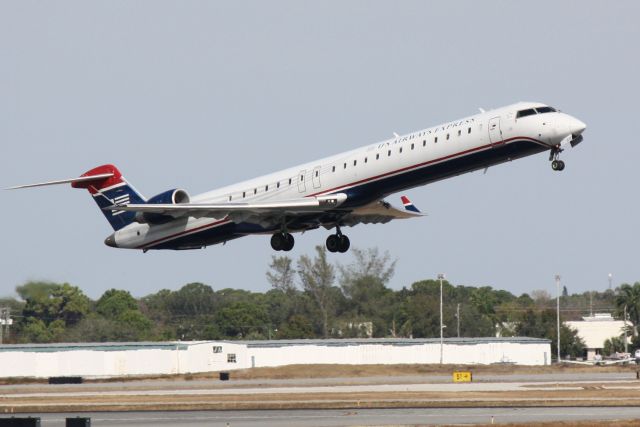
{"points": [[334, 192]]}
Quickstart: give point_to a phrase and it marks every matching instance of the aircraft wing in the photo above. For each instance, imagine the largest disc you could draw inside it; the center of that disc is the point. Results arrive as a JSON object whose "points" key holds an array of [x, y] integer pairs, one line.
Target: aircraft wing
{"points": [[218, 210], [268, 213]]}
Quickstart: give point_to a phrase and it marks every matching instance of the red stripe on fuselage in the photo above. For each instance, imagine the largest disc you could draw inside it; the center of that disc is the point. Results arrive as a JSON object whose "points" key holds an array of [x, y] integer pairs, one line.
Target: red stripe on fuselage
{"points": [[362, 181]]}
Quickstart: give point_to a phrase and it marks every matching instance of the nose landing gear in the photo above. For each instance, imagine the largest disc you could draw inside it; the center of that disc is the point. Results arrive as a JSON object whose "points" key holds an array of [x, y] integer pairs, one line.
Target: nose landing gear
{"points": [[338, 242], [556, 163]]}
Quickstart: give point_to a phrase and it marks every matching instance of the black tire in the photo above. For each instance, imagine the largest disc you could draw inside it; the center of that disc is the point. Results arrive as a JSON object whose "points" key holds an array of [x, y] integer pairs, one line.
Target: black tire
{"points": [[333, 243], [555, 165], [289, 242], [278, 241], [344, 244], [561, 166]]}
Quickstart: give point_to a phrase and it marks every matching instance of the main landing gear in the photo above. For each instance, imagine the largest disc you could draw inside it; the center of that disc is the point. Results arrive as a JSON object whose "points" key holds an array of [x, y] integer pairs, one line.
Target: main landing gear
{"points": [[282, 242], [556, 163], [338, 242]]}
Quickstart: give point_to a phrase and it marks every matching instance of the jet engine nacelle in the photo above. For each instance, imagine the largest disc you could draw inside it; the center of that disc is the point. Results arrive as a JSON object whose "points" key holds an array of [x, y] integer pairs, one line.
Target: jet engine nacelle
{"points": [[169, 197]]}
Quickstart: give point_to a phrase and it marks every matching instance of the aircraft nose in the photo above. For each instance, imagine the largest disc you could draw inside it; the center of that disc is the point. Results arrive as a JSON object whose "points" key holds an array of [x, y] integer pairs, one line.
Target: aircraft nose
{"points": [[576, 127], [111, 241]]}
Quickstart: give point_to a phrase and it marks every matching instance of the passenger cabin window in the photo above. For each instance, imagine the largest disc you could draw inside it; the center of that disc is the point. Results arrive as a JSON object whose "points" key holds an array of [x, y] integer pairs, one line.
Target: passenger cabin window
{"points": [[525, 113]]}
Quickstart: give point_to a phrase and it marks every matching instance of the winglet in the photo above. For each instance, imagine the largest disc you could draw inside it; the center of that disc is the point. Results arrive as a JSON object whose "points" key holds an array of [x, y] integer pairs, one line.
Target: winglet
{"points": [[408, 205]]}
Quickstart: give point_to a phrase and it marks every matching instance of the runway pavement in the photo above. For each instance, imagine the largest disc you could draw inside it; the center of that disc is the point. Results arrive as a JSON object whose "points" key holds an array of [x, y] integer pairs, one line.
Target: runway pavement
{"points": [[333, 418], [379, 400]]}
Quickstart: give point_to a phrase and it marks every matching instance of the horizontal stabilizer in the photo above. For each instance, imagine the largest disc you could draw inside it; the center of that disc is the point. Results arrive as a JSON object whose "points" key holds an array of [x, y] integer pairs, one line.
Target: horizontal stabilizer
{"points": [[85, 179]]}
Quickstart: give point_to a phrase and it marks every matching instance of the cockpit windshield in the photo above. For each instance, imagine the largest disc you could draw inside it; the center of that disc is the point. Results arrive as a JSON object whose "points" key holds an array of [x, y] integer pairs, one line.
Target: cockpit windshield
{"points": [[537, 110], [541, 110]]}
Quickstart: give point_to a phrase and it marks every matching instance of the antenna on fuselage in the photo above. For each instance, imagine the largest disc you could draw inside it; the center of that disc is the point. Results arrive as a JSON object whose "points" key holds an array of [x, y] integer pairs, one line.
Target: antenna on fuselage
{"points": [[396, 135], [481, 109]]}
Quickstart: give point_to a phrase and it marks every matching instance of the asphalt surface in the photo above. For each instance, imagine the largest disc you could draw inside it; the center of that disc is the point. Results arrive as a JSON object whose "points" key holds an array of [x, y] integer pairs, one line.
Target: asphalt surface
{"points": [[178, 384], [331, 418]]}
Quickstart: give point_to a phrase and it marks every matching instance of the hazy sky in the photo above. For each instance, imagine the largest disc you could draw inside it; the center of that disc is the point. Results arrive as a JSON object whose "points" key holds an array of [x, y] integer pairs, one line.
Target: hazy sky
{"points": [[200, 94]]}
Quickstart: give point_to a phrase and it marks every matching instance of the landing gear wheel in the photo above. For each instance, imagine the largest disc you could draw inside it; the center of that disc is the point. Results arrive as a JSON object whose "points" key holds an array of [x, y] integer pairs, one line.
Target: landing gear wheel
{"points": [[333, 243], [343, 244], [289, 242], [557, 165], [282, 242], [278, 242]]}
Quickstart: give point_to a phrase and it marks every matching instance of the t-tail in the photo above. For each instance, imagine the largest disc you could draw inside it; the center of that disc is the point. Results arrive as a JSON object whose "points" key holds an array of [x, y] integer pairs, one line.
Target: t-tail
{"points": [[108, 187]]}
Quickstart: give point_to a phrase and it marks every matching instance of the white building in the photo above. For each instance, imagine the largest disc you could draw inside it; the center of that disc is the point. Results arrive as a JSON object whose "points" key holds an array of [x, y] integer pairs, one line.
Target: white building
{"points": [[595, 330], [151, 358]]}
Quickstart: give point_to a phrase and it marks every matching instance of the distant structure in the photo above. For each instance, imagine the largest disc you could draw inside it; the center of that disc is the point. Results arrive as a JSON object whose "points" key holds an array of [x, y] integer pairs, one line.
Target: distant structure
{"points": [[595, 330], [163, 358]]}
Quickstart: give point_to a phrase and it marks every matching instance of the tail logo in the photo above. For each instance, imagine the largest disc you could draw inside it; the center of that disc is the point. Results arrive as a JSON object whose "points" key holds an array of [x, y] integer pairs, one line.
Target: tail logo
{"points": [[121, 200]]}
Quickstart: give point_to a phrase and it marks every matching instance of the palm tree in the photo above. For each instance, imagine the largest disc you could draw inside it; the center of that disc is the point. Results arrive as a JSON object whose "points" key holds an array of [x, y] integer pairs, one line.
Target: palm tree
{"points": [[630, 296]]}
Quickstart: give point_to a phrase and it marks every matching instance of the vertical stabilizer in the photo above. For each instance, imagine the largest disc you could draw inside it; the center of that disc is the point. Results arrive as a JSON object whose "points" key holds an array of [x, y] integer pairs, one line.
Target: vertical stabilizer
{"points": [[112, 190]]}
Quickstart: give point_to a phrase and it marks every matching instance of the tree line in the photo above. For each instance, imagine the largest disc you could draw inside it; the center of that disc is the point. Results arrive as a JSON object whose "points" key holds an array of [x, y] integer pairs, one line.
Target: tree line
{"points": [[308, 298]]}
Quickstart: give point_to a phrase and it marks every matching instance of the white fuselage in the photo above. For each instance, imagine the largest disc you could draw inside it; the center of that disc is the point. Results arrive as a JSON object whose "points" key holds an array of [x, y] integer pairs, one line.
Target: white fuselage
{"points": [[374, 171]]}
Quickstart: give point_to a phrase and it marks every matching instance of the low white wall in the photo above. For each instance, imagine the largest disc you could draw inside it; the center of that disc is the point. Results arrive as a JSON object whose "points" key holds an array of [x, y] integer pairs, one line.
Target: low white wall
{"points": [[483, 354], [124, 359]]}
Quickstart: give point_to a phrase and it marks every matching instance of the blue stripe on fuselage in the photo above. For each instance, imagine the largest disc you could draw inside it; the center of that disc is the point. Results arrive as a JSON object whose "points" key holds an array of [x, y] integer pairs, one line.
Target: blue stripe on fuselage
{"points": [[368, 192]]}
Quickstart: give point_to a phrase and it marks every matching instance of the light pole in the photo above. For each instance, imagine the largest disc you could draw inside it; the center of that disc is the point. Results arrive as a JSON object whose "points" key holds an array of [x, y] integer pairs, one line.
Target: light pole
{"points": [[610, 277], [558, 311], [441, 277], [625, 329], [458, 319]]}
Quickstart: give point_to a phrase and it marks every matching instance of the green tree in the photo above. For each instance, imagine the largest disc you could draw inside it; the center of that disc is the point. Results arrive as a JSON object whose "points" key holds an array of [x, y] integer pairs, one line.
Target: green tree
{"points": [[49, 308], [629, 296], [242, 318], [613, 345], [364, 285], [193, 299], [282, 274], [114, 303], [543, 324], [297, 326], [317, 277]]}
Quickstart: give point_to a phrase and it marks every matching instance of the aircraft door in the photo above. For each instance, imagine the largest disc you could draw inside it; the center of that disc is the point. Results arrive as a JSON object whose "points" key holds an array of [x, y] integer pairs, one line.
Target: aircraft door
{"points": [[495, 132], [302, 187], [315, 178]]}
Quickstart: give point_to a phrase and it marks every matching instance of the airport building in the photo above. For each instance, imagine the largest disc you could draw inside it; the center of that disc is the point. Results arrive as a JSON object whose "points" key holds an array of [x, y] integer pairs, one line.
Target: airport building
{"points": [[595, 330], [161, 358]]}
